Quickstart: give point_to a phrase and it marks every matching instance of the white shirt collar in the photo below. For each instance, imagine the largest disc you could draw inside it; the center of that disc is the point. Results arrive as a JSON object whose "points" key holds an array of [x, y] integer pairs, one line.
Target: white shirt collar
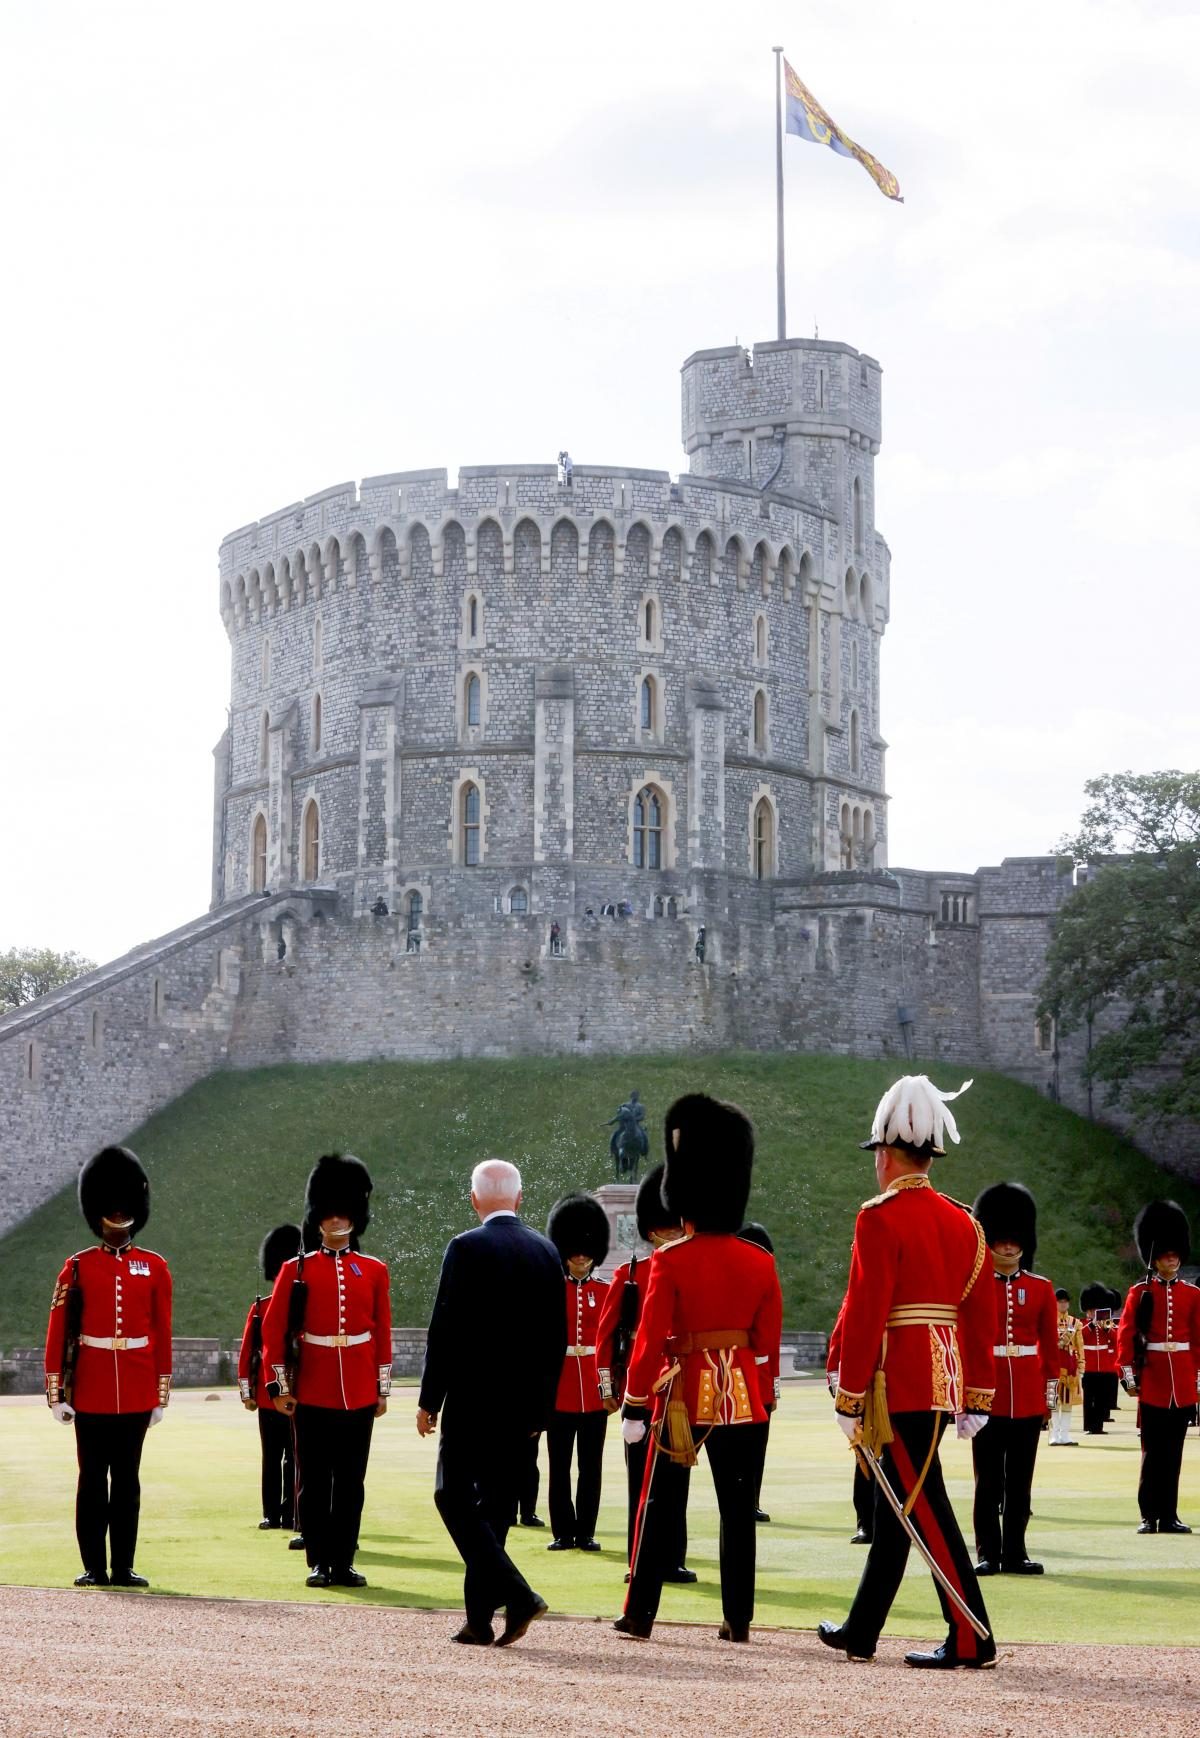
{"points": [[500, 1213]]}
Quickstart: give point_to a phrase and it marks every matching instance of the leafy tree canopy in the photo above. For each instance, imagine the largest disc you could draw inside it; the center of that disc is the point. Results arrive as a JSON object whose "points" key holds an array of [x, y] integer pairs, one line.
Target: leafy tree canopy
{"points": [[1126, 948], [29, 972]]}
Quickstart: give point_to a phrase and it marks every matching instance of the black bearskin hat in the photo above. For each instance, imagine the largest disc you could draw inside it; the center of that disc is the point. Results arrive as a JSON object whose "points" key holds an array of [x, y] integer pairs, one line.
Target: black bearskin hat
{"points": [[753, 1232], [1115, 1298], [651, 1214], [710, 1155], [278, 1246], [1162, 1226], [578, 1225], [1095, 1297], [110, 1179], [339, 1183], [1008, 1214]]}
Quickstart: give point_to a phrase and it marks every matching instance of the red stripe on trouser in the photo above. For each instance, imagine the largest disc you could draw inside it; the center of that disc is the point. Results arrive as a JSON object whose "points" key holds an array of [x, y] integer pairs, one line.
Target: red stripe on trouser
{"points": [[965, 1640], [639, 1522]]}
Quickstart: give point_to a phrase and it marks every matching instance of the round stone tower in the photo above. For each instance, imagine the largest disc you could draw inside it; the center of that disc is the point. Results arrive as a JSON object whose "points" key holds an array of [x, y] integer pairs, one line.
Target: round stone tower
{"points": [[555, 693]]}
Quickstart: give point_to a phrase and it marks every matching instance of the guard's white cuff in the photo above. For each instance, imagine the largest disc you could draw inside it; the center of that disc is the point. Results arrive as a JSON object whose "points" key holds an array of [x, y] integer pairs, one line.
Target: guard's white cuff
{"points": [[244, 1387], [385, 1381]]}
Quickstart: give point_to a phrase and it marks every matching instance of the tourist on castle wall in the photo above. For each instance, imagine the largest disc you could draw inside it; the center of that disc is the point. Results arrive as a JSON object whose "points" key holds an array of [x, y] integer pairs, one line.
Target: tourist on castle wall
{"points": [[276, 1431], [578, 1229], [108, 1362]]}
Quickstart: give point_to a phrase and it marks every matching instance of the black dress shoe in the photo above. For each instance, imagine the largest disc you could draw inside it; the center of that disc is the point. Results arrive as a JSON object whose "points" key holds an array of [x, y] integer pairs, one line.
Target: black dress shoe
{"points": [[985, 1566], [761, 1516], [588, 1545], [734, 1632], [127, 1578], [269, 1526], [296, 1542], [944, 1659], [1026, 1566], [517, 1620], [561, 1545], [348, 1577], [318, 1578], [91, 1579], [834, 1636], [636, 1628], [1175, 1526], [532, 1521], [474, 1637], [680, 1577], [1148, 1527], [860, 1537]]}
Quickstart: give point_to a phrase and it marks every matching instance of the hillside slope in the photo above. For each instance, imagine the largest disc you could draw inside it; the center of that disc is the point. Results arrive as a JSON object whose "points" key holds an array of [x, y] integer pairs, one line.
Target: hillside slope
{"points": [[230, 1157]]}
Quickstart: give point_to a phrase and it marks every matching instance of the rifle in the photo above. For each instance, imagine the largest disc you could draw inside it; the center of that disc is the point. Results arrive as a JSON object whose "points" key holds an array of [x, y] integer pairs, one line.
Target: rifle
{"points": [[1143, 1316], [72, 1328], [626, 1328], [297, 1307], [256, 1346]]}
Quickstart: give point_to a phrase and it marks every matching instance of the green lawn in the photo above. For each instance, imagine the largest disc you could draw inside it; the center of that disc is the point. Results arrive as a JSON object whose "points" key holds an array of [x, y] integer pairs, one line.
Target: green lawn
{"points": [[230, 1157], [199, 1511]]}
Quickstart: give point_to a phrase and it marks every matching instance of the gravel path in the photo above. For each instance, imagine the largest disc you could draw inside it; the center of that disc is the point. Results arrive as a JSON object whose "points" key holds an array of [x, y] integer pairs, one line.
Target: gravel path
{"points": [[110, 1665]]}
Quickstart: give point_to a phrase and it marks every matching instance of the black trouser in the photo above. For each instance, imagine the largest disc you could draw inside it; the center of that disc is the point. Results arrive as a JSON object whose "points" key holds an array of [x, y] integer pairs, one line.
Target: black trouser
{"points": [[479, 1476], [1163, 1432], [734, 1452], [863, 1497], [277, 1437], [1099, 1397], [575, 1520], [675, 1555], [108, 1497], [332, 1448], [1004, 1453], [762, 1464], [531, 1481], [932, 1516]]}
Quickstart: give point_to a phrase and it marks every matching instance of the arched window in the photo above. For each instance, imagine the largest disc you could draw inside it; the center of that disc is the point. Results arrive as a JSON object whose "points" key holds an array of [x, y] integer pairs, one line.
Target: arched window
{"points": [[258, 855], [845, 839], [414, 903], [311, 835], [316, 724], [518, 902], [760, 719], [854, 743], [318, 643], [264, 742], [854, 664], [470, 825], [649, 622], [849, 593], [266, 660], [646, 704], [472, 700], [858, 517], [868, 839], [647, 829], [764, 841], [760, 639], [473, 619]]}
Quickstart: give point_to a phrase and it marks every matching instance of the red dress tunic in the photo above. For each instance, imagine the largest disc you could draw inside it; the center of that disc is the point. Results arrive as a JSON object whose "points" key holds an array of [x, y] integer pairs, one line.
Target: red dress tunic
{"points": [[1173, 1351], [1099, 1348], [127, 1308], [346, 1357], [260, 1394], [1026, 1345], [579, 1381]]}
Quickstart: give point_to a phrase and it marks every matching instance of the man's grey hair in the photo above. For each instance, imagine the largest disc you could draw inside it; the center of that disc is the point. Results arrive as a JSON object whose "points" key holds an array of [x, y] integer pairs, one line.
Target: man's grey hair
{"points": [[496, 1183]]}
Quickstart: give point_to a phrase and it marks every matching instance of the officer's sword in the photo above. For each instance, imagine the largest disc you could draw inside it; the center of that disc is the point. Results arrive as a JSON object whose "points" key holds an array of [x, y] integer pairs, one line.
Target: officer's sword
{"points": [[935, 1569]]}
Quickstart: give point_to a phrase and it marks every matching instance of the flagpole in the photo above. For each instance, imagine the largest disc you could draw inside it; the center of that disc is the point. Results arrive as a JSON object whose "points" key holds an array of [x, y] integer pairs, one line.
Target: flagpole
{"points": [[780, 290]]}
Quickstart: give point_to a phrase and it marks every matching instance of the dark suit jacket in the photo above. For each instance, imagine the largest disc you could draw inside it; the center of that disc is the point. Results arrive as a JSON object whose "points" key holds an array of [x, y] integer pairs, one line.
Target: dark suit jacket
{"points": [[497, 1336]]}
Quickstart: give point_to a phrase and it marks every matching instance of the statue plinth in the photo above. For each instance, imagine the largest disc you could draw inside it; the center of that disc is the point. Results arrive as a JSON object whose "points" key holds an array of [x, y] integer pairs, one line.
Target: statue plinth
{"points": [[619, 1201]]}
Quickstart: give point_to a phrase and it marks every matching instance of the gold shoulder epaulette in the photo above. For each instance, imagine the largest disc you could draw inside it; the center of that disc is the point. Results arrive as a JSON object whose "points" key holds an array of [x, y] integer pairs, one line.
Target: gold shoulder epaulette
{"points": [[955, 1203], [878, 1200], [678, 1244]]}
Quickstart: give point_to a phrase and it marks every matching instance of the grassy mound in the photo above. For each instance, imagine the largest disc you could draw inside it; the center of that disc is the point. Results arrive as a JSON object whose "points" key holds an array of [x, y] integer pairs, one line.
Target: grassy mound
{"points": [[230, 1158]]}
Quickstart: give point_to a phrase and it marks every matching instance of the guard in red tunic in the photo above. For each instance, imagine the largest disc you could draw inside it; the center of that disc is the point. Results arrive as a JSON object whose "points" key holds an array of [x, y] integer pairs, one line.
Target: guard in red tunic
{"points": [[578, 1229], [618, 1329], [327, 1343], [712, 1308], [1099, 1357], [1158, 1348], [1026, 1353], [768, 1371], [276, 1432], [108, 1362], [916, 1351]]}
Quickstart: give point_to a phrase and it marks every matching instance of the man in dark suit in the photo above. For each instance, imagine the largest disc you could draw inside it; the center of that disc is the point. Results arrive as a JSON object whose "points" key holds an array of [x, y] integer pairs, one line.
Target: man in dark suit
{"points": [[497, 1339]]}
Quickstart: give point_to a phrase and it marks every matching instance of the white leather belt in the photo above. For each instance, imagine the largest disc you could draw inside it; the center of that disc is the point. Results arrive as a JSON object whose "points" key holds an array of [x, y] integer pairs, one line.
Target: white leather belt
{"points": [[581, 1351], [1168, 1345], [1015, 1351], [336, 1339], [114, 1345]]}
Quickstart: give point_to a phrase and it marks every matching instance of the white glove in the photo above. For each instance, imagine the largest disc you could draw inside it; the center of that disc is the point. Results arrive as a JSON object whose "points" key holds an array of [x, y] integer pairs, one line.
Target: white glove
{"points": [[831, 1378], [850, 1427], [156, 1417], [968, 1424], [63, 1412], [633, 1430]]}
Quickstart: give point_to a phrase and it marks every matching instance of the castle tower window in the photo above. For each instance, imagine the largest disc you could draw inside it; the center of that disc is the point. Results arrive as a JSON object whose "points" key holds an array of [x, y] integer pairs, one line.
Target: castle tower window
{"points": [[854, 664], [94, 1030], [266, 660], [518, 902], [646, 711], [258, 854], [647, 829], [264, 742], [472, 700], [868, 844], [759, 722], [318, 645], [316, 724], [855, 749], [845, 839], [414, 903], [1044, 1035], [764, 841], [470, 825], [649, 621], [760, 639], [311, 836], [473, 618], [858, 516]]}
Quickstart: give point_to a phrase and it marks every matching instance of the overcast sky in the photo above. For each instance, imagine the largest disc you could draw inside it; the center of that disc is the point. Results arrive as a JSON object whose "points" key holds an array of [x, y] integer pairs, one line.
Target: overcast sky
{"points": [[254, 250]]}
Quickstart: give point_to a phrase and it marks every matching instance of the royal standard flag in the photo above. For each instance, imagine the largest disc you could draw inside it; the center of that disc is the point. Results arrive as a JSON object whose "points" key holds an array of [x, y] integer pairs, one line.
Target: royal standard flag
{"points": [[806, 117]]}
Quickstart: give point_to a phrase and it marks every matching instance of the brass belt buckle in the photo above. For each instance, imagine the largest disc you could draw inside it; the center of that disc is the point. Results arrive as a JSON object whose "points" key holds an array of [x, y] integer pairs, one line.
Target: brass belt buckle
{"points": [[341, 1339], [119, 1345]]}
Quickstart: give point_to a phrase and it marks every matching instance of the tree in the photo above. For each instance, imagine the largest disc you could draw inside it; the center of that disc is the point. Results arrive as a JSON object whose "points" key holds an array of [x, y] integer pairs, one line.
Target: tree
{"points": [[1124, 961], [29, 972]]}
